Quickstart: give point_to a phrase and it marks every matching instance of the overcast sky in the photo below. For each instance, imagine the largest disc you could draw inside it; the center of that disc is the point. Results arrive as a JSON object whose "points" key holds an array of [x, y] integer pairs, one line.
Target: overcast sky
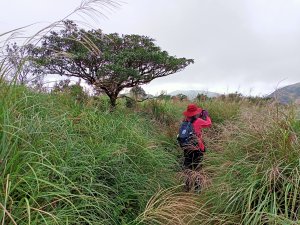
{"points": [[249, 46]]}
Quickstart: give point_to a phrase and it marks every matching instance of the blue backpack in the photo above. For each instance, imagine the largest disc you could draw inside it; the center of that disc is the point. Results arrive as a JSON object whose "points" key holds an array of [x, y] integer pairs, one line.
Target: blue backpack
{"points": [[187, 137]]}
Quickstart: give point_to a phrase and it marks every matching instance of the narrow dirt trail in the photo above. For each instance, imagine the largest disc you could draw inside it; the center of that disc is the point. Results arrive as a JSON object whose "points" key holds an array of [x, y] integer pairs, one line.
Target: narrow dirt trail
{"points": [[178, 206]]}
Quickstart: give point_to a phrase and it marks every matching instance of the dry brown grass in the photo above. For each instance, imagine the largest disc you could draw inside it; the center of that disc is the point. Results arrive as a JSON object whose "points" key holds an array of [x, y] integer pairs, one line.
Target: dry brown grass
{"points": [[172, 207], [193, 177]]}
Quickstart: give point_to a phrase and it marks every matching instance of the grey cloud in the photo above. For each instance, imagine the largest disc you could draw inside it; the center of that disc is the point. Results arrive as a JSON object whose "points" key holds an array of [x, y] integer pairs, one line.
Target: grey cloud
{"points": [[237, 44]]}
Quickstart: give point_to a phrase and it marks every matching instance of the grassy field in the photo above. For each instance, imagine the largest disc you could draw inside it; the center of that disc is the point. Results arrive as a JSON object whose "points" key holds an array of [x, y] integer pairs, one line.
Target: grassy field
{"points": [[256, 178], [70, 162], [66, 158]]}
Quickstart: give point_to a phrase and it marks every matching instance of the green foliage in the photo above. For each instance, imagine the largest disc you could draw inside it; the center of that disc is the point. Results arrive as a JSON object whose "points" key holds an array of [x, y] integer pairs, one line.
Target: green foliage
{"points": [[201, 97], [130, 103], [107, 61], [182, 97], [63, 162], [256, 175], [161, 110], [260, 101], [235, 96], [137, 93], [74, 90], [220, 110], [164, 97], [68, 163]]}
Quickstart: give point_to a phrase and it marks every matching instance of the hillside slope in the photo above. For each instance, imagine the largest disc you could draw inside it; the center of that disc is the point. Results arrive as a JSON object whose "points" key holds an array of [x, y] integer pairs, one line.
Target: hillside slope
{"points": [[287, 94]]}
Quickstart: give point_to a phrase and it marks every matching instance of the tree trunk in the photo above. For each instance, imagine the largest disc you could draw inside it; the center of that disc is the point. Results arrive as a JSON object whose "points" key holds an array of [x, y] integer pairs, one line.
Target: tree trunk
{"points": [[113, 95], [113, 101]]}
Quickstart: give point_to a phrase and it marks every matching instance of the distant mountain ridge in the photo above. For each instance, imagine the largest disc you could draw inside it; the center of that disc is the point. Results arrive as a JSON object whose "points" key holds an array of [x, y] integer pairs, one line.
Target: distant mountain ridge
{"points": [[191, 94], [287, 94]]}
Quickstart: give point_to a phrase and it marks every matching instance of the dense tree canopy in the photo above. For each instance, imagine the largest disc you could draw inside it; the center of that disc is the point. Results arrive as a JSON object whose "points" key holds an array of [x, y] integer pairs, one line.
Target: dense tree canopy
{"points": [[110, 62]]}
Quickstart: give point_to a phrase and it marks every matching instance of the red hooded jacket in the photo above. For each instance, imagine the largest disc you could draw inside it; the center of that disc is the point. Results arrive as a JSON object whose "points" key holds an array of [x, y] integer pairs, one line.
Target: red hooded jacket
{"points": [[198, 124]]}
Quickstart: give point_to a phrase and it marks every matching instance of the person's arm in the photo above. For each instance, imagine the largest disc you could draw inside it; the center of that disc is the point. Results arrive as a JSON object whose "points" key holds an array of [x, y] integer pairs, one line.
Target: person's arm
{"points": [[200, 123], [205, 123]]}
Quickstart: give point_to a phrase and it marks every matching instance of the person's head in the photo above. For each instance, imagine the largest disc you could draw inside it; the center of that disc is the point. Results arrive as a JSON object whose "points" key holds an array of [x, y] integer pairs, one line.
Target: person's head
{"points": [[192, 111]]}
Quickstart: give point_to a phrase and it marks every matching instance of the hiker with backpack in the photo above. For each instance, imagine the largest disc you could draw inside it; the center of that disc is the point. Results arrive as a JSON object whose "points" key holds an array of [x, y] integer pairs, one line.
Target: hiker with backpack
{"points": [[190, 135]]}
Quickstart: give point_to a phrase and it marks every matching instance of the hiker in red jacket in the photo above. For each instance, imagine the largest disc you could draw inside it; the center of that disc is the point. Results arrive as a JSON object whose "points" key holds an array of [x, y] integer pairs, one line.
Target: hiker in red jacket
{"points": [[199, 119]]}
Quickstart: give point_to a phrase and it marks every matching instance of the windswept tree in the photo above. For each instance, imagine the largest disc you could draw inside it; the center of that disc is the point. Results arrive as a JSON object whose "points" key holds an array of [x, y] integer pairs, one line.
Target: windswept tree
{"points": [[20, 68], [110, 62]]}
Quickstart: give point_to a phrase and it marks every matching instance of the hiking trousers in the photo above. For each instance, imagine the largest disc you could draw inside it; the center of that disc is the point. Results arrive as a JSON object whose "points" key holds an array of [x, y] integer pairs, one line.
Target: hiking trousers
{"points": [[192, 158]]}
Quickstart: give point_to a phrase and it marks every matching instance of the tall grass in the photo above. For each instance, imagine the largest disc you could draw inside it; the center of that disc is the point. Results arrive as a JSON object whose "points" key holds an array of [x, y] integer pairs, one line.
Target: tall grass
{"points": [[170, 206], [68, 163], [62, 162], [221, 110], [256, 175], [65, 163], [253, 163]]}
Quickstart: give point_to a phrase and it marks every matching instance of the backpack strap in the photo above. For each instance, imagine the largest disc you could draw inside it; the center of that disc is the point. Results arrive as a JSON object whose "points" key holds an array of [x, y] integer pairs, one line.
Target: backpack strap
{"points": [[193, 119]]}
